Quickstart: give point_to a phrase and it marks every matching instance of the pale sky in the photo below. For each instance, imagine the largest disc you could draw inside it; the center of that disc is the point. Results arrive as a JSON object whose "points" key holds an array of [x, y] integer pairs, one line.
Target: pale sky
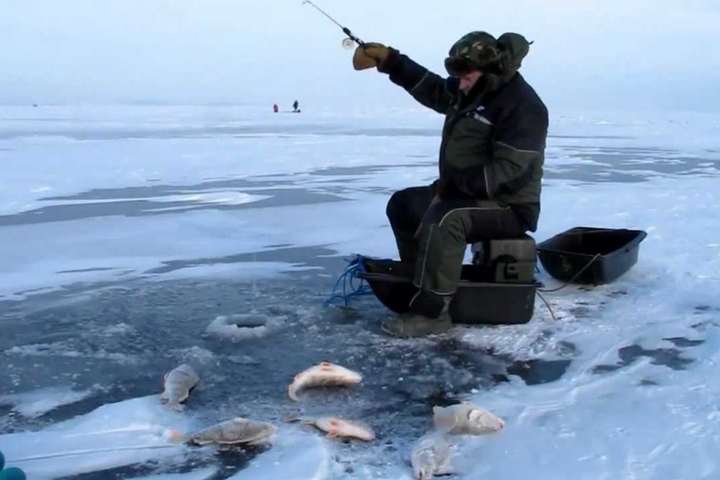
{"points": [[615, 54]]}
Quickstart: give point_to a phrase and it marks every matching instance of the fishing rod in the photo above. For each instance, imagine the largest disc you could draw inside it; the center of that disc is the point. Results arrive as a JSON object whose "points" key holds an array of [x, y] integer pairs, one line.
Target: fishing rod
{"points": [[347, 42]]}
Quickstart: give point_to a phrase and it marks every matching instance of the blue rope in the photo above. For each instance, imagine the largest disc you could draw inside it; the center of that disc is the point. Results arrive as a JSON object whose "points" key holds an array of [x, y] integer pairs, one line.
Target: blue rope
{"points": [[349, 284]]}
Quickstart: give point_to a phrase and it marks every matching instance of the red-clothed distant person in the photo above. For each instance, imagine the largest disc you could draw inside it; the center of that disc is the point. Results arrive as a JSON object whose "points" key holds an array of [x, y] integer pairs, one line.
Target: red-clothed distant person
{"points": [[276, 109]]}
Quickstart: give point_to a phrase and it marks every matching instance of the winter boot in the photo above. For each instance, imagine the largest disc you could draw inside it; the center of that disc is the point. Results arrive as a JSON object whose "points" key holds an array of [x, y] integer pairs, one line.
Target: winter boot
{"points": [[409, 325]]}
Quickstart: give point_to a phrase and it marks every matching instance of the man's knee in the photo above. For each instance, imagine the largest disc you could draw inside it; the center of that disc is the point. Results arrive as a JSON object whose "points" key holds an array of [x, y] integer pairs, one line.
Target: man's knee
{"points": [[455, 225], [410, 203], [397, 206], [392, 208]]}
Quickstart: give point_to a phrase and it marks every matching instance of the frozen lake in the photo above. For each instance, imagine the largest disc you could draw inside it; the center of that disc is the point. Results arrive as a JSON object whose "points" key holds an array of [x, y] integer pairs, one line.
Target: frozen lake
{"points": [[126, 231]]}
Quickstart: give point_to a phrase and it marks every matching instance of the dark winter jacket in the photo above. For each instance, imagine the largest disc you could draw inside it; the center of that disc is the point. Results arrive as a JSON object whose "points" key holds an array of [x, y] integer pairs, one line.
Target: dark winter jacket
{"points": [[493, 140]]}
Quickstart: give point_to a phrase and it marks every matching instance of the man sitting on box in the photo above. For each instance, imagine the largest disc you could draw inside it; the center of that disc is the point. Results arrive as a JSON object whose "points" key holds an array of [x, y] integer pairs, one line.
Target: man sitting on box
{"points": [[490, 163]]}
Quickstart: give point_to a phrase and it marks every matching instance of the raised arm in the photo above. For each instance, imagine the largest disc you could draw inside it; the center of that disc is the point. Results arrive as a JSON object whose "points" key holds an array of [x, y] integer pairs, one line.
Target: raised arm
{"points": [[426, 87]]}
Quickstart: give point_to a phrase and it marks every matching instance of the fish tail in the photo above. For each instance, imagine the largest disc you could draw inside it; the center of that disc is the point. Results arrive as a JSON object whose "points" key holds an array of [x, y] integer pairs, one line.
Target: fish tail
{"points": [[292, 393]]}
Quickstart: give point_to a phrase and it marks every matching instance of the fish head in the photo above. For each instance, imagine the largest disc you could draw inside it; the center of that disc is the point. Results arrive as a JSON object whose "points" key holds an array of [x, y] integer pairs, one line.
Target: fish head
{"points": [[351, 375], [423, 472], [327, 423], [484, 421], [272, 434], [265, 436]]}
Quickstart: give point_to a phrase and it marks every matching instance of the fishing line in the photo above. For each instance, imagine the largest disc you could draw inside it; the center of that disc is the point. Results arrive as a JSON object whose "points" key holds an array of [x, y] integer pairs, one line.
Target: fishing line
{"points": [[547, 305], [73, 453], [347, 42]]}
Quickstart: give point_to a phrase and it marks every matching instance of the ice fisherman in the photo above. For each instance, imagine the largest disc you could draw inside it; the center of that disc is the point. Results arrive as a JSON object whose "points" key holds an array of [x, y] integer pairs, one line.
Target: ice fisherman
{"points": [[490, 165], [296, 106]]}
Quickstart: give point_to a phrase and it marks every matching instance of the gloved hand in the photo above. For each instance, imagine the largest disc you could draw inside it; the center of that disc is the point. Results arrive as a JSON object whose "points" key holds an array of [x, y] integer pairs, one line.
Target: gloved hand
{"points": [[370, 55]]}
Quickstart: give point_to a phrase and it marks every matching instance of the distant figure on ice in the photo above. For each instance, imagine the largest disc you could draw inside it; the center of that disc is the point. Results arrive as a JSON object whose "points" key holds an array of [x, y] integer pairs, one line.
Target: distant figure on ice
{"points": [[296, 107], [276, 109], [491, 165]]}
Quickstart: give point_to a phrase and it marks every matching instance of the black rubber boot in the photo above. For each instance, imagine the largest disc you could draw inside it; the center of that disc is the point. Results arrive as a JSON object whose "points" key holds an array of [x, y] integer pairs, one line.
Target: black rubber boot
{"points": [[409, 325], [428, 315]]}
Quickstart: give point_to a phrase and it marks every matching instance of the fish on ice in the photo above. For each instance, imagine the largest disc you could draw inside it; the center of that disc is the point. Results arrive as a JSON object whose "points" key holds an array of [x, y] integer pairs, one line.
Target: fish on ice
{"points": [[177, 385], [234, 432], [466, 419], [325, 374], [431, 455], [337, 427]]}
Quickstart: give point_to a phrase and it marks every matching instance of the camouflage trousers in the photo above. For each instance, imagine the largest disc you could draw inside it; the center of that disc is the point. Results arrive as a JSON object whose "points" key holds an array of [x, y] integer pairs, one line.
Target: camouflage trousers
{"points": [[433, 235]]}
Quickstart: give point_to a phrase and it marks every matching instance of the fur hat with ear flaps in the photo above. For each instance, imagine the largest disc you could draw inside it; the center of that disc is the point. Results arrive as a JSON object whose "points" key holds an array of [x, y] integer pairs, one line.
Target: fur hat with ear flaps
{"points": [[474, 51], [513, 49], [481, 51]]}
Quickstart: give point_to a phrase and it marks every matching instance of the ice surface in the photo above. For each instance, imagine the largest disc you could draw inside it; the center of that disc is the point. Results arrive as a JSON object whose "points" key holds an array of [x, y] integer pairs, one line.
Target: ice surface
{"points": [[203, 474], [39, 402], [296, 455], [65, 349], [124, 433], [632, 404], [137, 431], [108, 197]]}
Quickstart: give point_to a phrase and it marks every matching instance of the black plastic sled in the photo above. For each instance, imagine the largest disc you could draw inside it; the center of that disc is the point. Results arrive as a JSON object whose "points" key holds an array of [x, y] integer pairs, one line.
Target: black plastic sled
{"points": [[590, 255]]}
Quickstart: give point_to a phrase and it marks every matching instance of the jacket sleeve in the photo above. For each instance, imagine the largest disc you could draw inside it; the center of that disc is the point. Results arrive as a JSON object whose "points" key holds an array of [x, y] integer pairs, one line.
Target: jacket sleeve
{"points": [[517, 151], [426, 87]]}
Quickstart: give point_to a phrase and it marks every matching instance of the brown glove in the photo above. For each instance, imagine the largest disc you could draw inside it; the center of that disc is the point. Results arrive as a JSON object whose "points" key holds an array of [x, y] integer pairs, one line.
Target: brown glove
{"points": [[370, 55]]}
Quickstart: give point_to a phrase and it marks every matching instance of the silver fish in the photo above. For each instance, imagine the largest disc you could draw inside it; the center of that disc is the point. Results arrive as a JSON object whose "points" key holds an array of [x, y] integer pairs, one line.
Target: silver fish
{"points": [[177, 385], [336, 427], [236, 431], [323, 375], [432, 455], [466, 419]]}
